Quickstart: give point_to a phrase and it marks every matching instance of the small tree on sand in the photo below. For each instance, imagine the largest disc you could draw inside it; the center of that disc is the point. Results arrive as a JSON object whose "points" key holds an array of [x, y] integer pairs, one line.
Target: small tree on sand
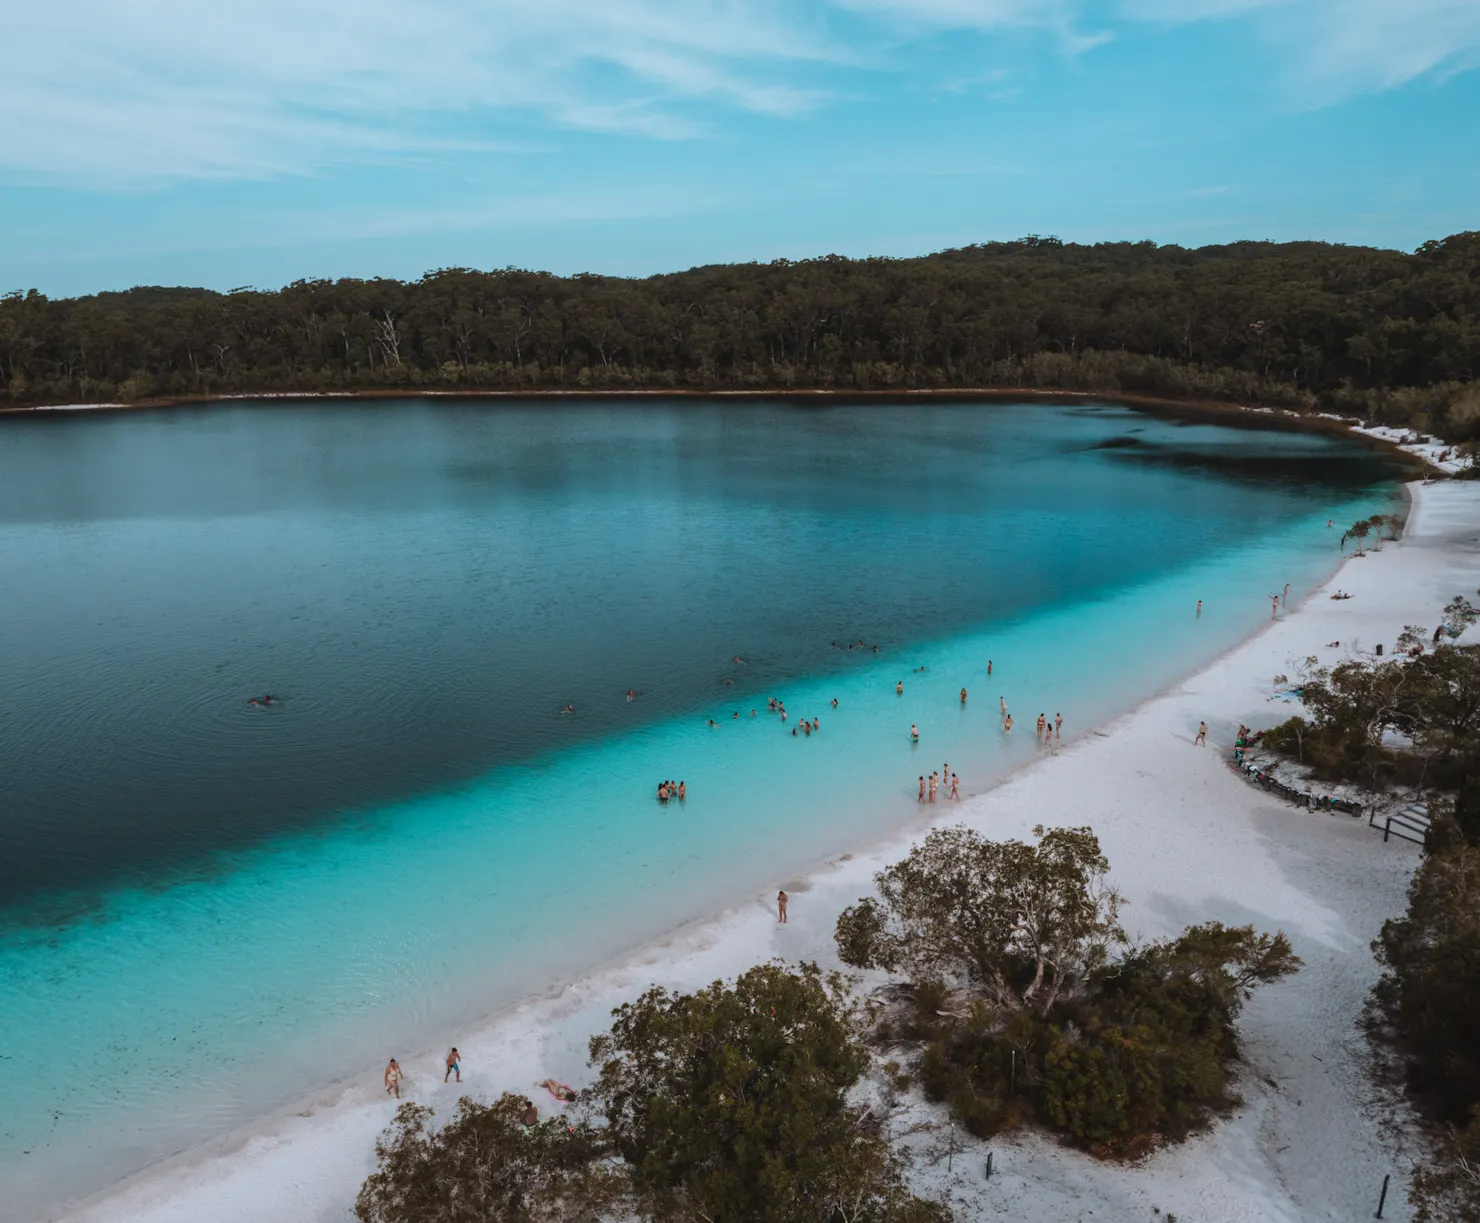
{"points": [[486, 1164], [730, 1105], [1018, 922]]}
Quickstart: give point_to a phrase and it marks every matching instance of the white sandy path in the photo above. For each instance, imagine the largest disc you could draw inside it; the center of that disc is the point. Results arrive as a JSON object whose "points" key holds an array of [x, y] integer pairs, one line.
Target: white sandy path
{"points": [[1188, 841]]}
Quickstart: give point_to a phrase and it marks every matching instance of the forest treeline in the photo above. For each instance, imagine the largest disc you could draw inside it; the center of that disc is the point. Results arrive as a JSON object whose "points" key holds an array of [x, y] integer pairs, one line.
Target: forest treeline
{"points": [[1382, 334]]}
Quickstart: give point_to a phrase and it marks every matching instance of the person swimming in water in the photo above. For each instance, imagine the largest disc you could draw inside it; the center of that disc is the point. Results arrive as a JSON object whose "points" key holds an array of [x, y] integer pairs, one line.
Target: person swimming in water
{"points": [[1007, 723], [963, 696], [989, 666], [631, 695], [569, 709], [835, 702], [914, 733], [899, 688], [683, 791]]}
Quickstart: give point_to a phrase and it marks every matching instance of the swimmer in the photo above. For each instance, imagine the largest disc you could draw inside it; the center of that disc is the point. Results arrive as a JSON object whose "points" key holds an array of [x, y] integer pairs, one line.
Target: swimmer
{"points": [[630, 696], [1041, 721], [569, 709], [735, 713], [1058, 725], [989, 666], [807, 728], [963, 696], [899, 688], [920, 669], [752, 713], [1199, 609], [729, 682], [922, 788], [876, 649], [738, 659], [253, 701], [711, 723], [1007, 724], [454, 1066], [783, 715], [393, 1078], [781, 899], [268, 699], [793, 732], [816, 725], [662, 791], [1202, 735], [683, 791], [835, 702], [914, 733], [955, 788], [1002, 700]]}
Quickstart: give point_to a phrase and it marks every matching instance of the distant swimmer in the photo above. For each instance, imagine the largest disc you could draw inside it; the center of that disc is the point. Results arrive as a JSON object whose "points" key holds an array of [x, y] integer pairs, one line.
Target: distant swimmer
{"points": [[922, 788], [963, 696], [253, 701], [914, 733], [781, 900], [876, 649], [268, 699], [711, 723], [989, 666], [816, 724], [918, 670], [899, 688], [955, 787], [569, 709], [683, 790], [1329, 521], [454, 1065], [752, 713], [1202, 735], [1007, 723], [631, 695], [738, 659], [735, 713], [835, 702], [1199, 608], [393, 1078], [729, 682], [806, 728], [1002, 700]]}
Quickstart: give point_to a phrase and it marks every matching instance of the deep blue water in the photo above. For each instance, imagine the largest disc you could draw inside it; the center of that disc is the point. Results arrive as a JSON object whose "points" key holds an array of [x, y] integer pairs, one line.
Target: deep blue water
{"points": [[424, 586]]}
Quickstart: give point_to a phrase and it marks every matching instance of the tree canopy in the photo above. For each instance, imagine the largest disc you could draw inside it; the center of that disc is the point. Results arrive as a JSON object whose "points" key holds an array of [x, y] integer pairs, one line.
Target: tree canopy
{"points": [[1381, 333]]}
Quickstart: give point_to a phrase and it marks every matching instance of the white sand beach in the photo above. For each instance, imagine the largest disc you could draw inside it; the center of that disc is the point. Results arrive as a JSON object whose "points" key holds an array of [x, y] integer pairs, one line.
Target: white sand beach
{"points": [[1188, 840]]}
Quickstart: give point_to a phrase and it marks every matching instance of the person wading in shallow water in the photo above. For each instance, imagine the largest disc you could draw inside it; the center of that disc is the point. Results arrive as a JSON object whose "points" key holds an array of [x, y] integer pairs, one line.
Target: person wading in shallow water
{"points": [[393, 1078], [454, 1065], [1202, 735], [781, 899]]}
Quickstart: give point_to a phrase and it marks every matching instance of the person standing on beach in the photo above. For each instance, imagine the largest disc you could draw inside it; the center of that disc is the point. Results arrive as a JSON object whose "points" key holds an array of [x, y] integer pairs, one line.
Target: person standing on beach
{"points": [[454, 1065], [1202, 735], [1002, 700], [1058, 725], [955, 787], [393, 1078], [922, 787], [1042, 721], [781, 899], [1274, 606]]}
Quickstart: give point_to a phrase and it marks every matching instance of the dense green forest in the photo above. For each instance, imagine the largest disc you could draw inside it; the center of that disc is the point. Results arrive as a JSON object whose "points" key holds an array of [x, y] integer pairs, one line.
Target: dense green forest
{"points": [[1382, 334]]}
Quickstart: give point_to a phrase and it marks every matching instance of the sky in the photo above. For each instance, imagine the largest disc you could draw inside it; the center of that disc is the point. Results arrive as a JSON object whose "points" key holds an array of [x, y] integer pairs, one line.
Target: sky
{"points": [[257, 142]]}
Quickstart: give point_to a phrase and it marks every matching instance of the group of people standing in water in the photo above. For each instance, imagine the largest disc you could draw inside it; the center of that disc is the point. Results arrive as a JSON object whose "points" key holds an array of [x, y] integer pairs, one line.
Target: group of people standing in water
{"points": [[672, 789]]}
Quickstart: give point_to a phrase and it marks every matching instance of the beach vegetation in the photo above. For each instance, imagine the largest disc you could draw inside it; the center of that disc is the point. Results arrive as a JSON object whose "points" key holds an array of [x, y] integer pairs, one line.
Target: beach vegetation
{"points": [[732, 1104], [487, 1163], [1382, 335], [1027, 1003]]}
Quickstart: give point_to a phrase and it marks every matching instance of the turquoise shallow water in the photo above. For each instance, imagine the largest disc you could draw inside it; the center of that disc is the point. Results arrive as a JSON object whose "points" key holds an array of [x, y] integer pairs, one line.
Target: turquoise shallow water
{"points": [[216, 912]]}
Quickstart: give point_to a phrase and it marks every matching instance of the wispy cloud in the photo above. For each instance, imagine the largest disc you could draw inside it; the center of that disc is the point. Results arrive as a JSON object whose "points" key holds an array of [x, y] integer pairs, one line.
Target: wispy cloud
{"points": [[1333, 49]]}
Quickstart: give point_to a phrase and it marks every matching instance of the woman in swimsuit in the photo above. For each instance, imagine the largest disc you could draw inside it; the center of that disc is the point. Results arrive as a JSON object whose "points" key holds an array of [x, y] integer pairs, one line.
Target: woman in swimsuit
{"points": [[393, 1079]]}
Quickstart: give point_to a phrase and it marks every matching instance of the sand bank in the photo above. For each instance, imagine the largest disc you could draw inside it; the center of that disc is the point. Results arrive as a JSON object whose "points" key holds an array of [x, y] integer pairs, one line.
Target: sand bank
{"points": [[1188, 841]]}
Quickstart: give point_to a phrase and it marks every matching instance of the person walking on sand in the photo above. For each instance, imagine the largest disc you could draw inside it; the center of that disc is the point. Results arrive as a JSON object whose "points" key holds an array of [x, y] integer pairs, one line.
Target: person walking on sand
{"points": [[454, 1065], [393, 1078], [781, 899], [955, 788], [1202, 735]]}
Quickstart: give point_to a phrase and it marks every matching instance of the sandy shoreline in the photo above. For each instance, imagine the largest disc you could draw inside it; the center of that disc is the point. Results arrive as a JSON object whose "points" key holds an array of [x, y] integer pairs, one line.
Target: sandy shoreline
{"points": [[1188, 840]]}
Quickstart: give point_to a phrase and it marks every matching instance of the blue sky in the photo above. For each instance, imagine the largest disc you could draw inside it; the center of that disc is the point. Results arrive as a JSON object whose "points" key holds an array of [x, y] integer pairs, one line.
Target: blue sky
{"points": [[261, 141]]}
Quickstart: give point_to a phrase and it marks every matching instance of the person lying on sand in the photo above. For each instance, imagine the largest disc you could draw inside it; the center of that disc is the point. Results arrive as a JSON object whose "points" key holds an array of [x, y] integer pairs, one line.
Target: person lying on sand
{"points": [[560, 1091]]}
